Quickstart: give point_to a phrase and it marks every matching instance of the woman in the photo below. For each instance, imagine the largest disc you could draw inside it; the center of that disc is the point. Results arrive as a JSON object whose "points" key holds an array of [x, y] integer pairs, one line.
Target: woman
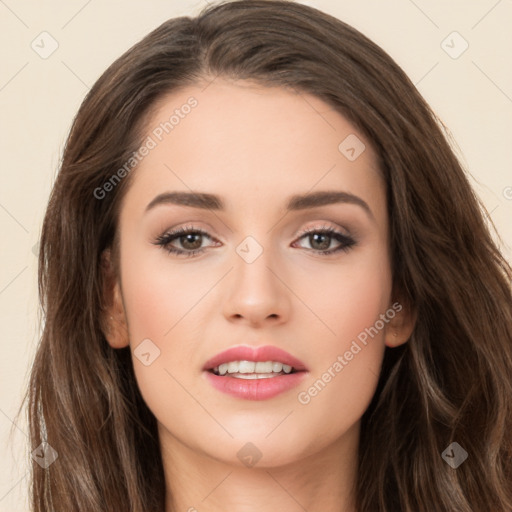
{"points": [[339, 338]]}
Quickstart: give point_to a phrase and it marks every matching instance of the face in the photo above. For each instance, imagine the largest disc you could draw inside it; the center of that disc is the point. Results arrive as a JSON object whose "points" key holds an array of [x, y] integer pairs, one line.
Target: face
{"points": [[257, 267]]}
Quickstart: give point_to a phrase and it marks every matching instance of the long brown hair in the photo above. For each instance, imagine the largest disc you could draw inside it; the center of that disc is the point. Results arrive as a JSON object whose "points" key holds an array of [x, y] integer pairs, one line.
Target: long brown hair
{"points": [[452, 381]]}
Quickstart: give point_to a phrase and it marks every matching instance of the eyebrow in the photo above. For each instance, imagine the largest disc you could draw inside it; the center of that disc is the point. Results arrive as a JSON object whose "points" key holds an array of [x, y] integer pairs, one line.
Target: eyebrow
{"points": [[295, 203]]}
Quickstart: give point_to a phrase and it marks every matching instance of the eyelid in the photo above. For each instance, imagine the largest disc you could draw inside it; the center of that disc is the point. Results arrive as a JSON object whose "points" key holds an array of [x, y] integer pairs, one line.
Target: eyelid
{"points": [[324, 227]]}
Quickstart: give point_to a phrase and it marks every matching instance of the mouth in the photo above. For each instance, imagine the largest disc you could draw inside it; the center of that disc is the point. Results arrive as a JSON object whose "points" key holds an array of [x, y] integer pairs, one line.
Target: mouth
{"points": [[254, 373], [245, 360]]}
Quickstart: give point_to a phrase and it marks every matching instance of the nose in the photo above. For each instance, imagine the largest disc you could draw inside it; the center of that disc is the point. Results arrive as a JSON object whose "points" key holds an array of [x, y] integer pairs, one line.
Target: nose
{"points": [[257, 293]]}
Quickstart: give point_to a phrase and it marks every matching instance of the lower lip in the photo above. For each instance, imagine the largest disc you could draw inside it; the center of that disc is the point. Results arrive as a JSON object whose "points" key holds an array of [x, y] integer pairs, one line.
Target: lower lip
{"points": [[255, 389]]}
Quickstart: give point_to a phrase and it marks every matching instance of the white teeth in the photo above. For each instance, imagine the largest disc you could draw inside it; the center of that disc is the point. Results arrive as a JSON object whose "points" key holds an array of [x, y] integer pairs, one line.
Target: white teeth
{"points": [[252, 370], [277, 367], [265, 367], [245, 367], [232, 367]]}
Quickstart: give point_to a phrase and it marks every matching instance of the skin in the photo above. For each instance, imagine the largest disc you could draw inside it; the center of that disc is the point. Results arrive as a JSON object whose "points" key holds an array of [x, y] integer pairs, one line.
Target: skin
{"points": [[255, 146]]}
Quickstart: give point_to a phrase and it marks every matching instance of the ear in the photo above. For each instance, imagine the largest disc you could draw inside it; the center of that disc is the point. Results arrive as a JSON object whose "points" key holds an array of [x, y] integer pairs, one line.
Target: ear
{"points": [[113, 319], [399, 328]]}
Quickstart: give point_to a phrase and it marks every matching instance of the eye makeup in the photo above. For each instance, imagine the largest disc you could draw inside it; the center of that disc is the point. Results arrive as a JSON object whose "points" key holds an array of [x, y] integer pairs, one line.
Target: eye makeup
{"points": [[190, 235]]}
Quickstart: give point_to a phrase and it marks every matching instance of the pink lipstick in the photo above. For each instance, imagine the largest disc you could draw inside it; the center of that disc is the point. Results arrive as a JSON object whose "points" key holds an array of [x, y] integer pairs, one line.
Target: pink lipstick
{"points": [[254, 373]]}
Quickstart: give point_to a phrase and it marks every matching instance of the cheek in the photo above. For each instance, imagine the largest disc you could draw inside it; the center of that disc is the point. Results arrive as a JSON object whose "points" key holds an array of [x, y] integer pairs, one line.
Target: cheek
{"points": [[165, 307], [345, 298], [354, 308], [158, 295]]}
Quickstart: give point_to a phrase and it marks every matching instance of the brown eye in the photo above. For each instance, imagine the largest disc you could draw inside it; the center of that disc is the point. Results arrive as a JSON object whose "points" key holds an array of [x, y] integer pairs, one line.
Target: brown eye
{"points": [[320, 240], [189, 241]]}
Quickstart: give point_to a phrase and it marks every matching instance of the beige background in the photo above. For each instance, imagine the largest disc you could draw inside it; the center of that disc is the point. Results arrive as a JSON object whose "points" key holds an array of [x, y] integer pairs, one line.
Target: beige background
{"points": [[39, 97]]}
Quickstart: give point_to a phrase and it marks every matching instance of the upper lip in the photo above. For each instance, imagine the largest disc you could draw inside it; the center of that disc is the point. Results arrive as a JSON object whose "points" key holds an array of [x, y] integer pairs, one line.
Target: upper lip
{"points": [[256, 354]]}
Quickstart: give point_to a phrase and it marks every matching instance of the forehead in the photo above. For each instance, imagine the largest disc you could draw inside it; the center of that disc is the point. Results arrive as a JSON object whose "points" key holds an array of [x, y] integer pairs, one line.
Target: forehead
{"points": [[246, 142]]}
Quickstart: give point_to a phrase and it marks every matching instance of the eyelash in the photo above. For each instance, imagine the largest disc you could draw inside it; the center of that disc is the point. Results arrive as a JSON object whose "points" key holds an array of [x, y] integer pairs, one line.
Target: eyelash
{"points": [[165, 240]]}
